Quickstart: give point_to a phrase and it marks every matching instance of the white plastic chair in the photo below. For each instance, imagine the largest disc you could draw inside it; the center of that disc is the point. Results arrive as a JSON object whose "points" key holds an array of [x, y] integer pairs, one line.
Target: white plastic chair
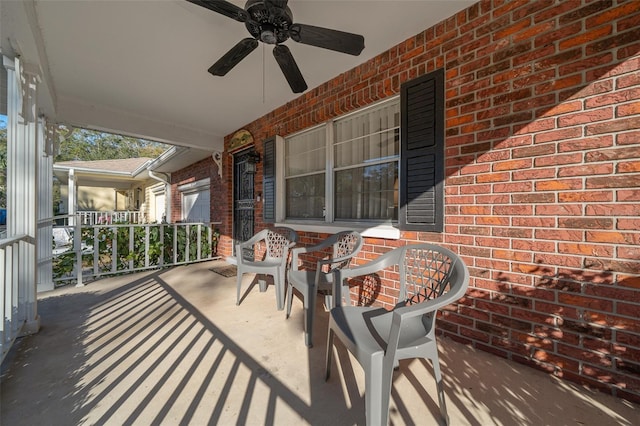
{"points": [[344, 246], [277, 242], [431, 277]]}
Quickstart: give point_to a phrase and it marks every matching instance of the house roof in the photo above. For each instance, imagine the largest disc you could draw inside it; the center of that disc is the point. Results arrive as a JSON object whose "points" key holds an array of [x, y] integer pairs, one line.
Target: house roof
{"points": [[126, 171], [124, 165], [121, 173]]}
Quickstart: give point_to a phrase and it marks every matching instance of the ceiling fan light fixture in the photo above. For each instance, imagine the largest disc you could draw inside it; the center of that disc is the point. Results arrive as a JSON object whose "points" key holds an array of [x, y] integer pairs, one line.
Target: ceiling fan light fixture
{"points": [[268, 34]]}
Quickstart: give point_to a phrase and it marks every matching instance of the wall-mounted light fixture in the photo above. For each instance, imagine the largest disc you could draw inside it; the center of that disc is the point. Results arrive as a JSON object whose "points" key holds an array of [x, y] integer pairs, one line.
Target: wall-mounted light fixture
{"points": [[253, 158]]}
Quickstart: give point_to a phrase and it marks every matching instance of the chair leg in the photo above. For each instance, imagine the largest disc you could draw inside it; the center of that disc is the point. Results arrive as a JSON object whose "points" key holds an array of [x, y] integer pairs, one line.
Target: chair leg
{"points": [[289, 301], [373, 393], [239, 284], [327, 365], [386, 373], [309, 313], [441, 401], [279, 284]]}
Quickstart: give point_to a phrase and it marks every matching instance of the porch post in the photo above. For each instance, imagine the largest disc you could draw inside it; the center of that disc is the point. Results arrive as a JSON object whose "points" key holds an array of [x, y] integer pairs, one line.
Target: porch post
{"points": [[72, 197], [22, 161], [44, 169]]}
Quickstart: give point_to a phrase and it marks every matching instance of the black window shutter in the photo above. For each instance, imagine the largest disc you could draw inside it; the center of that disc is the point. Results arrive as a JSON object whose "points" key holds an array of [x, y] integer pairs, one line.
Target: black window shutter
{"points": [[422, 153], [269, 181]]}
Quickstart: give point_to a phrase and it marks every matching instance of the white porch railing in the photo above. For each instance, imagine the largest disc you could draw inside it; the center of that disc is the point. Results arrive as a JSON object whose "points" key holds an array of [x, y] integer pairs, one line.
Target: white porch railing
{"points": [[12, 275], [108, 217], [101, 250]]}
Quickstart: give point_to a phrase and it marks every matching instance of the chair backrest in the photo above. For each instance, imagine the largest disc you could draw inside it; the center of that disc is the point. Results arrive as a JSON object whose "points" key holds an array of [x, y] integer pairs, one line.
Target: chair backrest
{"points": [[347, 244], [278, 241], [429, 272]]}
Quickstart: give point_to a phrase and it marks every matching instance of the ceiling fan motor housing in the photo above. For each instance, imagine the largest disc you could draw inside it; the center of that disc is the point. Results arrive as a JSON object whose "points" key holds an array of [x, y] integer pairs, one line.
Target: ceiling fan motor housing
{"points": [[268, 23]]}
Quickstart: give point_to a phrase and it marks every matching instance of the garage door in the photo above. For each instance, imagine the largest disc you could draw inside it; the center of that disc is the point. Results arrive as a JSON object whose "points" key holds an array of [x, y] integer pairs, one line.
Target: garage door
{"points": [[196, 206]]}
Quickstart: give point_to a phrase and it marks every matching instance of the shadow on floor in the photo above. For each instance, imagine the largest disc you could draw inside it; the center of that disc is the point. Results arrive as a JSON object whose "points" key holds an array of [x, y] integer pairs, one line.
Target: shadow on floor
{"points": [[171, 347]]}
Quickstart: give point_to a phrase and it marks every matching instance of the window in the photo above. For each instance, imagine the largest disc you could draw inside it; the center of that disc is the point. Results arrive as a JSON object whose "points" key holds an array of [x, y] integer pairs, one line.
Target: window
{"points": [[366, 151], [305, 168], [381, 166], [346, 170]]}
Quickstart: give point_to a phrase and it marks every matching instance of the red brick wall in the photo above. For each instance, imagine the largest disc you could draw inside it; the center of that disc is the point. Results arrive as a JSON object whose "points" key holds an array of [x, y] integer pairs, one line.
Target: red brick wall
{"points": [[542, 177]]}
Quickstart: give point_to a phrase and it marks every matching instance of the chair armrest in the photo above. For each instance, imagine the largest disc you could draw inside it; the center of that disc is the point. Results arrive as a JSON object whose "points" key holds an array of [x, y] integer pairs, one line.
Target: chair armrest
{"points": [[285, 254], [294, 256], [296, 251], [422, 308], [251, 241], [309, 249], [320, 263], [406, 312], [382, 262], [239, 249]]}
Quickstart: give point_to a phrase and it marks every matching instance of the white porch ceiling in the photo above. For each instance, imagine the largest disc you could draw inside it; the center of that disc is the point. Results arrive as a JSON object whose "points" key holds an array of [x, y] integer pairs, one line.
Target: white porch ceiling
{"points": [[140, 67]]}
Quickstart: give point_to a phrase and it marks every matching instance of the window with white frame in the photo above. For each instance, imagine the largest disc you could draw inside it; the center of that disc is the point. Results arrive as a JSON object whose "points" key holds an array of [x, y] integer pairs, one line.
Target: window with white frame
{"points": [[305, 171], [346, 170], [361, 170]]}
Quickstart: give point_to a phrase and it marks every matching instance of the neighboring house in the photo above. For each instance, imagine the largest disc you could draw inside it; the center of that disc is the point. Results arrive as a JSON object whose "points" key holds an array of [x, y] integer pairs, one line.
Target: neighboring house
{"points": [[103, 185], [508, 133], [135, 188]]}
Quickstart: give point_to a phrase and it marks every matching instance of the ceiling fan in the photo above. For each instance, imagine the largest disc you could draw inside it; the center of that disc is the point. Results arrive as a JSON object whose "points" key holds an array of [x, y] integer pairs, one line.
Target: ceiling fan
{"points": [[271, 22]]}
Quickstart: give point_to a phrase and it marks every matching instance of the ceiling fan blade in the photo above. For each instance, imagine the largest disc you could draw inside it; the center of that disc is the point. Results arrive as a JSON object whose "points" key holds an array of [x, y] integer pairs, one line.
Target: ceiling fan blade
{"points": [[326, 38], [233, 56], [289, 68], [224, 8]]}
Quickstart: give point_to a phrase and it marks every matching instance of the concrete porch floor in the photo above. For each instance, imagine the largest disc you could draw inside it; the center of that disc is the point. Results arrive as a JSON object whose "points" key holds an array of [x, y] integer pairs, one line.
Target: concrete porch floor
{"points": [[171, 347]]}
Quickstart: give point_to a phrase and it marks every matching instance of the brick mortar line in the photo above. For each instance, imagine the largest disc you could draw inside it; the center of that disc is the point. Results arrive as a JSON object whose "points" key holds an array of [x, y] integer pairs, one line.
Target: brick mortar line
{"points": [[580, 362], [554, 327], [558, 292]]}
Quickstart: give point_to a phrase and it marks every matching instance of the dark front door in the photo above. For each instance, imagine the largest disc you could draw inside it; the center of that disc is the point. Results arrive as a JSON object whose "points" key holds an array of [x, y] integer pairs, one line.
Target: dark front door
{"points": [[243, 198]]}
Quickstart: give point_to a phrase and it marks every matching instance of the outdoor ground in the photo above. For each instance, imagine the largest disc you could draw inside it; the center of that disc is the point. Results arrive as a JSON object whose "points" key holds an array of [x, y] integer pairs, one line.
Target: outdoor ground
{"points": [[171, 347]]}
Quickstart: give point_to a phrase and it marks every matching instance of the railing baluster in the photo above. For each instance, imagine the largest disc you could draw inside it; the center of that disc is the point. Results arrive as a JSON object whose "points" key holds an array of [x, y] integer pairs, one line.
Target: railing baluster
{"points": [[11, 303], [5, 300], [146, 246], [96, 251], [114, 250], [187, 244], [162, 248], [199, 251], [13, 312], [175, 243], [77, 246], [131, 232], [18, 277]]}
